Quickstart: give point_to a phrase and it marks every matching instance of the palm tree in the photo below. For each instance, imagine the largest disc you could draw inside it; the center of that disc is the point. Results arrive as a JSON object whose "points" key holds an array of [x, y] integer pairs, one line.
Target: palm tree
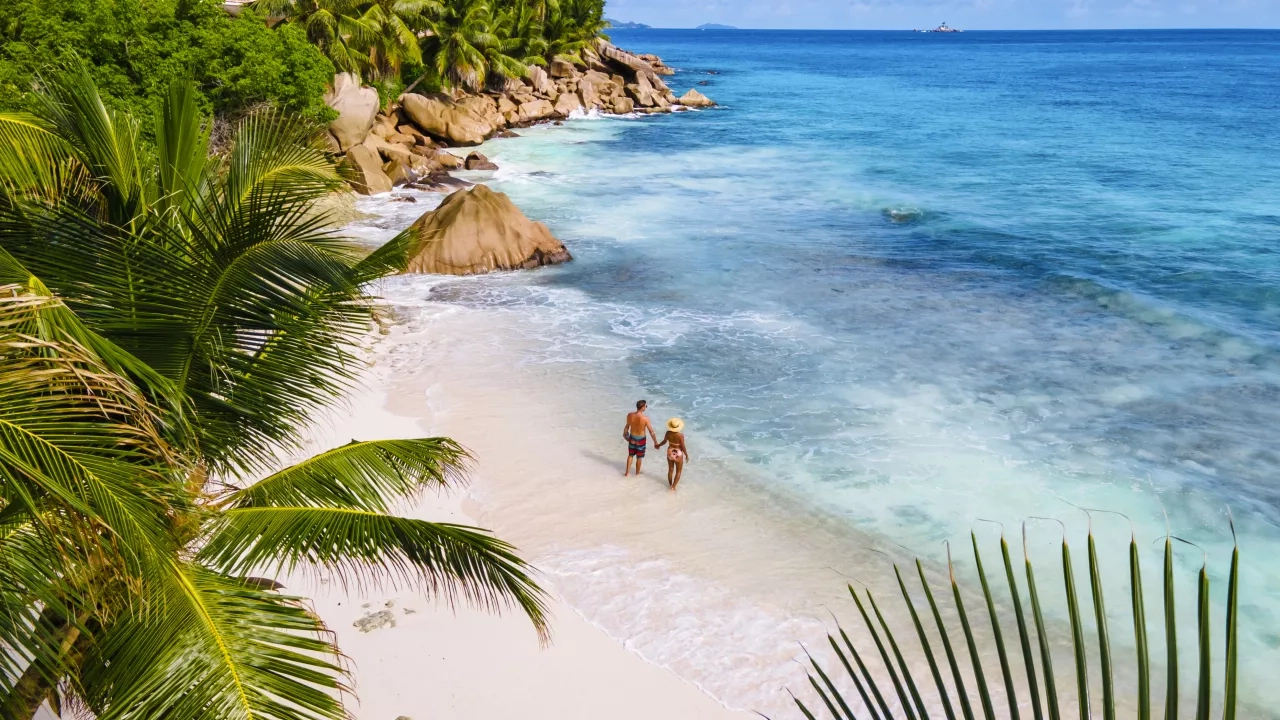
{"points": [[519, 25], [1026, 669], [338, 28], [84, 469], [395, 25], [197, 311], [458, 37], [571, 26]]}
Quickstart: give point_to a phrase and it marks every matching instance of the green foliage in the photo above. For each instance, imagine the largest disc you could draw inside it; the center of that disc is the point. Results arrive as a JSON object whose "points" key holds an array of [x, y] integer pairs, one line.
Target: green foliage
{"points": [[444, 43], [135, 48], [1051, 703], [168, 321]]}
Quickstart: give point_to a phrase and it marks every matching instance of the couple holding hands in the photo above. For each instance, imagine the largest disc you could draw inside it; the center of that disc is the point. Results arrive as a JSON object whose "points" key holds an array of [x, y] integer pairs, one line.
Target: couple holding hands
{"points": [[677, 451]]}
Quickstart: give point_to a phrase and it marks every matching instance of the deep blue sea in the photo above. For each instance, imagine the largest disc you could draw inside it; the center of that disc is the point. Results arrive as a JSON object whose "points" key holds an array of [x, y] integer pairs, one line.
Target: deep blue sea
{"points": [[915, 280]]}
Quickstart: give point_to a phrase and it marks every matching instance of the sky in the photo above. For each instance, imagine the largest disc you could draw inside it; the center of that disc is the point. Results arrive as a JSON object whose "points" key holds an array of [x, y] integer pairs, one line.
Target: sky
{"points": [[964, 14]]}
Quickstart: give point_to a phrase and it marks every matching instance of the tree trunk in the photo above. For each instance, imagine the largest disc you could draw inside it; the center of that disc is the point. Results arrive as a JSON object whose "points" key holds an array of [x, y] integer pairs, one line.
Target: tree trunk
{"points": [[40, 681]]}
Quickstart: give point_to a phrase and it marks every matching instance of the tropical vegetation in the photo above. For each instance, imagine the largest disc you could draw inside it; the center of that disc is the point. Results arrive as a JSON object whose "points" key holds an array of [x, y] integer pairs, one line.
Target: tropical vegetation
{"points": [[959, 685], [135, 48], [171, 320], [446, 43]]}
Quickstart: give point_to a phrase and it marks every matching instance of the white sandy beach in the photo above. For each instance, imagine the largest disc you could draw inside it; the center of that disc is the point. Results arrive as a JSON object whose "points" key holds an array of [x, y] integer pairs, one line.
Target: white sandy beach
{"points": [[444, 663]]}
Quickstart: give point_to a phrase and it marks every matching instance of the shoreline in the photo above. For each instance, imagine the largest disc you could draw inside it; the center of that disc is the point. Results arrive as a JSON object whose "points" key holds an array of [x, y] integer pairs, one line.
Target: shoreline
{"points": [[404, 143], [579, 544], [718, 584], [713, 585], [584, 672]]}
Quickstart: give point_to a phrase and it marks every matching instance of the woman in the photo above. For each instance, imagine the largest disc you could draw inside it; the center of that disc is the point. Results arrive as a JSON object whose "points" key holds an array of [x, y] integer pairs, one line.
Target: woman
{"points": [[677, 453]]}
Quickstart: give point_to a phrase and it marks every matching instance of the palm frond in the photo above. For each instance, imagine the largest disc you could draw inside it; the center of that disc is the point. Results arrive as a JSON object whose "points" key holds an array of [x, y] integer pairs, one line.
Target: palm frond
{"points": [[104, 141], [216, 647], [182, 148], [358, 546], [367, 475], [34, 160], [76, 436], [1100, 690]]}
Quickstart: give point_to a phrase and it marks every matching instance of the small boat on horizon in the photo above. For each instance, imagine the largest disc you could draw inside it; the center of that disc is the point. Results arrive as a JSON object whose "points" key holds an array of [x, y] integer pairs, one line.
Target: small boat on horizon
{"points": [[943, 28]]}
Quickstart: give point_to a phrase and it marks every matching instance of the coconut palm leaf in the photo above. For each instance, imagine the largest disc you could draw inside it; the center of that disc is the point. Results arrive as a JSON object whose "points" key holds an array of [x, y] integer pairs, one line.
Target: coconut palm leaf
{"points": [[360, 475], [1040, 683], [85, 496], [458, 35], [240, 294], [104, 141], [182, 150], [334, 26], [76, 437], [166, 318], [34, 160], [215, 648], [370, 548]]}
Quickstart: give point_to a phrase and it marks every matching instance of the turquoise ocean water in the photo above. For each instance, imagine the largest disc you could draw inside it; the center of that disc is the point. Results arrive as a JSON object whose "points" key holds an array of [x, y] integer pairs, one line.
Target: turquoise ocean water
{"points": [[914, 280]]}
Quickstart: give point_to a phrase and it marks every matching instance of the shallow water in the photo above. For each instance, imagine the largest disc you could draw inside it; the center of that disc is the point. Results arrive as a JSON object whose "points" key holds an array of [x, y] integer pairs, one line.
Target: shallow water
{"points": [[903, 282]]}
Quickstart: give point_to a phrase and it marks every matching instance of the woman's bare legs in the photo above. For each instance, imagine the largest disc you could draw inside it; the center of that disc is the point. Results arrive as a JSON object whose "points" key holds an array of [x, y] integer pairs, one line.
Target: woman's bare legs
{"points": [[671, 468], [679, 469]]}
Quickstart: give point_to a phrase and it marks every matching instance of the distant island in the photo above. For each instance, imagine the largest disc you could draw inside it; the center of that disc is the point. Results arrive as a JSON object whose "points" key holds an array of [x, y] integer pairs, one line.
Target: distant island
{"points": [[714, 26], [628, 25]]}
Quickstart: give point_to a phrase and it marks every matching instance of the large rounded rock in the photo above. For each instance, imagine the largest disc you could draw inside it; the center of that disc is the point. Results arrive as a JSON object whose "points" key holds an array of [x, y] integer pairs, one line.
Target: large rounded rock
{"points": [[536, 110], [357, 108], [448, 160], [439, 116], [478, 231], [693, 98], [363, 169], [485, 108], [477, 161]]}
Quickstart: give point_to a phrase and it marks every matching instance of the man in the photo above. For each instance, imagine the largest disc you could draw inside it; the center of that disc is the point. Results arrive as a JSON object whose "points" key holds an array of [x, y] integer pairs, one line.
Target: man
{"points": [[634, 433]]}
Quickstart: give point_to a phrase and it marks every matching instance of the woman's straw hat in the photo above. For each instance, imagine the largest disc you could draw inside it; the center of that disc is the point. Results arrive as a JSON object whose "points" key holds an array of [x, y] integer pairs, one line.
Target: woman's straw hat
{"points": [[675, 424]]}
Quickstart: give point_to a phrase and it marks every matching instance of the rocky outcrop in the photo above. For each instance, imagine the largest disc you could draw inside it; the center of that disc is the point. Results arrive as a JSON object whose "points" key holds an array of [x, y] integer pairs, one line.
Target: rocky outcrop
{"points": [[535, 110], [356, 107], [567, 104], [562, 69], [387, 150], [693, 98], [448, 160], [656, 63], [403, 144], [478, 231], [363, 169], [540, 81], [375, 621], [399, 173], [440, 117], [477, 161]]}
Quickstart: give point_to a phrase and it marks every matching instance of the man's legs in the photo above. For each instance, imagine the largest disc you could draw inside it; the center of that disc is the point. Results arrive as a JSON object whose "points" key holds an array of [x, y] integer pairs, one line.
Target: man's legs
{"points": [[628, 470]]}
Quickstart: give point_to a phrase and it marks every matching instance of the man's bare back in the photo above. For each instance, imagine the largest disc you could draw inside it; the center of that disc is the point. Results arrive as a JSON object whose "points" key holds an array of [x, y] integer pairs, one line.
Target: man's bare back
{"points": [[638, 423], [634, 431]]}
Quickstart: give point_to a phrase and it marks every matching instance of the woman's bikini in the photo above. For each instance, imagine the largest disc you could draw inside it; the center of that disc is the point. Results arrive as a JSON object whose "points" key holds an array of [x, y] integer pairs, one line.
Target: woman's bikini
{"points": [[675, 452]]}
